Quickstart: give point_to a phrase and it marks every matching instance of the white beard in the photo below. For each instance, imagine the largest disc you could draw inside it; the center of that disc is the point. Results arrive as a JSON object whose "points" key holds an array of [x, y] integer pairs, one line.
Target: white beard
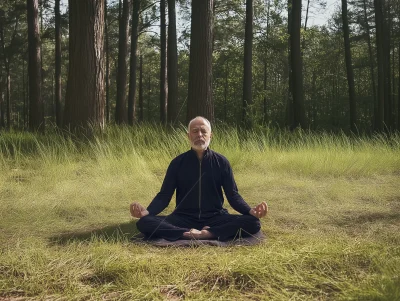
{"points": [[200, 147]]}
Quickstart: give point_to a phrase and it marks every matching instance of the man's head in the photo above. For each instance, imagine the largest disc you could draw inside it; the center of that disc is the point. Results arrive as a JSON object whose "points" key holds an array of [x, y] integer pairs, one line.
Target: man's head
{"points": [[199, 133]]}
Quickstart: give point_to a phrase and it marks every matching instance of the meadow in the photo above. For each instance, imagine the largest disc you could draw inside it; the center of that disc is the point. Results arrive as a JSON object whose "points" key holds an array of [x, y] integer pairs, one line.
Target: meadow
{"points": [[332, 233]]}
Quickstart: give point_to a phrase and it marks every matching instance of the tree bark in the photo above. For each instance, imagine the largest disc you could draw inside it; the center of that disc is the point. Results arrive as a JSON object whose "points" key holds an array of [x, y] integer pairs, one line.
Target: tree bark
{"points": [[172, 72], [141, 107], [398, 94], [36, 106], [349, 67], [133, 63], [247, 69], [296, 64], [2, 107], [200, 68], [163, 65], [380, 61], [120, 108], [387, 66], [107, 75], [84, 102], [371, 64], [58, 64], [289, 96]]}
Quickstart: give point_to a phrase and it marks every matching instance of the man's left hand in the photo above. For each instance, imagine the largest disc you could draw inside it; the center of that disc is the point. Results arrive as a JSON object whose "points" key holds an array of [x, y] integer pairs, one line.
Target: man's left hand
{"points": [[260, 210]]}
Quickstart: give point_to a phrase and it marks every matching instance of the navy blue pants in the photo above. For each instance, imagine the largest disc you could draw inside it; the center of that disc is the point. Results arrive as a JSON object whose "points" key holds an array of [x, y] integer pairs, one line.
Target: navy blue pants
{"points": [[222, 226]]}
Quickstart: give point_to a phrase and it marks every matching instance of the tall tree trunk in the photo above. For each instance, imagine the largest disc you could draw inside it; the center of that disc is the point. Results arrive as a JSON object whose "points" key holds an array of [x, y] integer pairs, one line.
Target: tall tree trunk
{"points": [[163, 65], [141, 107], [296, 63], [200, 68], [172, 75], [398, 94], [386, 67], [120, 108], [265, 103], [289, 96], [349, 67], [58, 64], [148, 97], [226, 91], [24, 110], [133, 62], [380, 61], [2, 107], [84, 101], [371, 64], [265, 107], [107, 75], [36, 106], [247, 69]]}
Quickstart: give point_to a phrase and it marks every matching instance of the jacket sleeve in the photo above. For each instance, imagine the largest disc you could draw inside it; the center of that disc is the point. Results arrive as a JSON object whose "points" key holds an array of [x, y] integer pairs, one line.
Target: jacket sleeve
{"points": [[162, 199], [231, 191]]}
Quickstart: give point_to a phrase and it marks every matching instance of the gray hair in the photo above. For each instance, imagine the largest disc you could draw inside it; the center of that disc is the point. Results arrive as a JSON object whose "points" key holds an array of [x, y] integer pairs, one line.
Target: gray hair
{"points": [[199, 117]]}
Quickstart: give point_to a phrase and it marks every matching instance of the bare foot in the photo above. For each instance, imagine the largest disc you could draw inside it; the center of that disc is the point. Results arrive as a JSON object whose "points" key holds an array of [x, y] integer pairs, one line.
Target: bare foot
{"points": [[197, 234]]}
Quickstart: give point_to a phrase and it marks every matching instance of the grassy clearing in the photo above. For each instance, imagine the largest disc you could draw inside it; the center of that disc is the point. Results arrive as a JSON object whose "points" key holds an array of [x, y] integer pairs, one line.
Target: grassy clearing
{"points": [[333, 229]]}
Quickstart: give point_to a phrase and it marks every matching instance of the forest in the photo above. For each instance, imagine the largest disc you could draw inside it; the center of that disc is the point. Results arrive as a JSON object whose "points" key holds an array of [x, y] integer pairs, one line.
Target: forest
{"points": [[95, 98], [251, 64]]}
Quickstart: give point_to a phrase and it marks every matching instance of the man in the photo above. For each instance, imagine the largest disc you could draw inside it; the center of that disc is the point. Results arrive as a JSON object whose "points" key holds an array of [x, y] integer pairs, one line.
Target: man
{"points": [[198, 176]]}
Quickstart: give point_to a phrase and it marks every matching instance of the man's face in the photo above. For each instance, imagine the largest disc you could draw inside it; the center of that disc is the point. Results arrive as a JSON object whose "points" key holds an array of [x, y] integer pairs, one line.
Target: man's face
{"points": [[199, 134]]}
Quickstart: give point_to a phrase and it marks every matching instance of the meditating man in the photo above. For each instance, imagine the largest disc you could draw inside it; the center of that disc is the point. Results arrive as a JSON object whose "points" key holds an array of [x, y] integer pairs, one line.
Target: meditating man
{"points": [[198, 177]]}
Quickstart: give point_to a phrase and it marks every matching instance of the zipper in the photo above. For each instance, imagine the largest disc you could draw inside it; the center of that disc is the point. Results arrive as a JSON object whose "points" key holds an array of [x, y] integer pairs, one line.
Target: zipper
{"points": [[200, 188]]}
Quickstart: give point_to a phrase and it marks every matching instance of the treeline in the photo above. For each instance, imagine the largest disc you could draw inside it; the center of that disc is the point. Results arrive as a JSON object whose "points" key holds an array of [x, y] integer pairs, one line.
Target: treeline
{"points": [[247, 63]]}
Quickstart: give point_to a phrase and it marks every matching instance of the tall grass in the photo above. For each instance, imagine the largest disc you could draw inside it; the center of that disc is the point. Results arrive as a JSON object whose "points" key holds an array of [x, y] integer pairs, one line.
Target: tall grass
{"points": [[333, 229]]}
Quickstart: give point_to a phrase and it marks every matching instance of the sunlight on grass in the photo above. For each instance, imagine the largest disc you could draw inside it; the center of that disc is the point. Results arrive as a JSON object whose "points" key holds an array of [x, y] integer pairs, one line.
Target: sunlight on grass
{"points": [[332, 232]]}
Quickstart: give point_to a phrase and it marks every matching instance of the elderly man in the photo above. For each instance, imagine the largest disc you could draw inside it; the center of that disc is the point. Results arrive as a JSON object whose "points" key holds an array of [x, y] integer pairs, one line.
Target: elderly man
{"points": [[198, 177]]}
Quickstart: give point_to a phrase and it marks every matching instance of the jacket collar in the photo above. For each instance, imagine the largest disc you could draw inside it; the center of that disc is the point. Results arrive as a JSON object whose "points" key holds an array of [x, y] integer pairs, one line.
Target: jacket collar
{"points": [[207, 152]]}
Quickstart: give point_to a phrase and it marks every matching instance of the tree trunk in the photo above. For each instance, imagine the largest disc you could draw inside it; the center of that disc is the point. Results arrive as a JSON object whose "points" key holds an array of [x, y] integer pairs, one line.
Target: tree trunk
{"points": [[265, 107], [107, 76], [247, 70], [141, 107], [226, 91], [2, 107], [172, 75], [120, 108], [386, 54], [58, 64], [371, 64], [84, 102], [296, 64], [133, 62], [36, 106], [380, 61], [349, 67], [398, 95], [163, 65], [200, 68], [289, 96]]}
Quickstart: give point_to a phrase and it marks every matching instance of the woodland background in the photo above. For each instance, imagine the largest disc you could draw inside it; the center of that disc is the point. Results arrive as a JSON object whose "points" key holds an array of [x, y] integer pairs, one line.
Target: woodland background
{"points": [[251, 64]]}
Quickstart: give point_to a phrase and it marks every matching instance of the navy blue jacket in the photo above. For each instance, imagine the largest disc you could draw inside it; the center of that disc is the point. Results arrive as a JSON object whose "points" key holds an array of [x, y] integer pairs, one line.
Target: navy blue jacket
{"points": [[199, 186]]}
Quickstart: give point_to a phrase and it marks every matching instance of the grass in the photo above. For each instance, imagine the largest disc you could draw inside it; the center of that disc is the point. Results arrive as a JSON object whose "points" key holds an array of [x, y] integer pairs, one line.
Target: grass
{"points": [[333, 228]]}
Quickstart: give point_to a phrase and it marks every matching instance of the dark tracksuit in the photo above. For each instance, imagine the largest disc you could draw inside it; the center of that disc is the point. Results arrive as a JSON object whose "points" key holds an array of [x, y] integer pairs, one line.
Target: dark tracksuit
{"points": [[199, 200]]}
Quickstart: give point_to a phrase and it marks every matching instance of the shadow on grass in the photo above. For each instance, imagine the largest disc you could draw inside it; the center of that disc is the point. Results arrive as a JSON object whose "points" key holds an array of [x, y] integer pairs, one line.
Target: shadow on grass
{"points": [[117, 232], [357, 218]]}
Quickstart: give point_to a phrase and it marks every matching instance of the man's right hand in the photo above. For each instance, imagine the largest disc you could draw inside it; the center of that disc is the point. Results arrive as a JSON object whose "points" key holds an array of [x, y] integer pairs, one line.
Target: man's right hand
{"points": [[138, 210]]}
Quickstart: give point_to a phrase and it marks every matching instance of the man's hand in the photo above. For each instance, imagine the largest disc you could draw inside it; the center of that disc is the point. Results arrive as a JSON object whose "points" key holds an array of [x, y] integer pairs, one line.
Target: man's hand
{"points": [[260, 210], [138, 210]]}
